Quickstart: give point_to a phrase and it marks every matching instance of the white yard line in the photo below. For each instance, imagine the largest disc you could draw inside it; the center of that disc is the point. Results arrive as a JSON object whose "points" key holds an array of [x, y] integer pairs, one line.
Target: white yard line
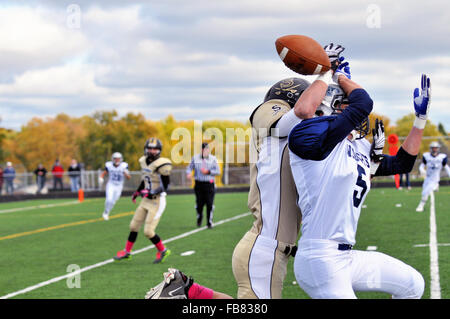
{"points": [[12, 210], [108, 261], [435, 287]]}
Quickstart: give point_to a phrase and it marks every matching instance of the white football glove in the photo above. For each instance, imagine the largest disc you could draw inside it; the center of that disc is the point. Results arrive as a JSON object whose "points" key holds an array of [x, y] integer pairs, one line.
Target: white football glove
{"points": [[376, 151], [333, 51], [100, 180]]}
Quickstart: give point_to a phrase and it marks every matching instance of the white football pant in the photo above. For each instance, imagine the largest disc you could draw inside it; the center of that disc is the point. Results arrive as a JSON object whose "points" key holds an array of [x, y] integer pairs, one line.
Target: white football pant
{"points": [[323, 271], [113, 193]]}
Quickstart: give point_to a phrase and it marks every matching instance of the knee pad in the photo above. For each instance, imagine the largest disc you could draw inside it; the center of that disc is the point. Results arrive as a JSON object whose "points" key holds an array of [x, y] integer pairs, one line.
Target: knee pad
{"points": [[415, 288], [418, 285]]}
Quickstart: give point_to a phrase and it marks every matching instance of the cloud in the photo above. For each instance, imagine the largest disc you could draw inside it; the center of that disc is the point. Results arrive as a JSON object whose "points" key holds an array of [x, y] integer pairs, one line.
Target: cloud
{"points": [[203, 59]]}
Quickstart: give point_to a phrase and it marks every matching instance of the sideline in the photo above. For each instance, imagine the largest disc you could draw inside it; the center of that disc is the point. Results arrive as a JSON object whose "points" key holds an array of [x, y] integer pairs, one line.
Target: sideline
{"points": [[435, 286]]}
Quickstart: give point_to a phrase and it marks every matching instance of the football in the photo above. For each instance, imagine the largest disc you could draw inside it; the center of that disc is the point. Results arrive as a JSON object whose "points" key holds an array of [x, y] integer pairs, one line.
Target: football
{"points": [[302, 54]]}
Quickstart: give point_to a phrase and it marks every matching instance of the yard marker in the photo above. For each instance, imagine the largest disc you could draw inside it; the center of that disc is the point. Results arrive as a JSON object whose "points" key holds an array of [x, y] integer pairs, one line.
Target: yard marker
{"points": [[18, 209], [108, 261], [435, 287]]}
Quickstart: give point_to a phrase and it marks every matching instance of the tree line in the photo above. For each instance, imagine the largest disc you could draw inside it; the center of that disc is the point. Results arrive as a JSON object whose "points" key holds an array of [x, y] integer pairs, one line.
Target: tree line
{"points": [[91, 139]]}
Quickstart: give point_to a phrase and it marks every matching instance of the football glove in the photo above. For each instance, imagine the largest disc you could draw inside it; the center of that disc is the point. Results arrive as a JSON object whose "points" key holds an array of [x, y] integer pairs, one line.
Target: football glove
{"points": [[342, 69], [333, 51], [135, 195], [100, 180], [422, 100], [376, 150], [175, 285]]}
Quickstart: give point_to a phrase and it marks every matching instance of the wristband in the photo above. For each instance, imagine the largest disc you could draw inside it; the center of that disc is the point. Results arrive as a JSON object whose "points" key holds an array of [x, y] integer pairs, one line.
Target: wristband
{"points": [[327, 77], [419, 123]]}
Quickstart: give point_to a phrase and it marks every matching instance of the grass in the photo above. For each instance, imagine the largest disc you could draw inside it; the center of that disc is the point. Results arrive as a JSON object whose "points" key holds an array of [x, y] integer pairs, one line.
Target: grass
{"points": [[33, 257]]}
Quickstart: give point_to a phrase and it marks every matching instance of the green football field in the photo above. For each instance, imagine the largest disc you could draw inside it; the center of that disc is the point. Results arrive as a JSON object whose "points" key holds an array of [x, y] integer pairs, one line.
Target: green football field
{"points": [[43, 241]]}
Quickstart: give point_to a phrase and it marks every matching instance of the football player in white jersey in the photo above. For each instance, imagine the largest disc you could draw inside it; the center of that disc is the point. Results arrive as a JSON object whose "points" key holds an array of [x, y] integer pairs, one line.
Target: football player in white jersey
{"points": [[116, 169], [332, 165], [434, 162]]}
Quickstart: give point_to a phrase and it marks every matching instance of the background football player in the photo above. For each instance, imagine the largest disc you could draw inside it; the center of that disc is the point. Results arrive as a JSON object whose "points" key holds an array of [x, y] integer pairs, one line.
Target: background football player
{"points": [[116, 169], [332, 164], [434, 163], [154, 184]]}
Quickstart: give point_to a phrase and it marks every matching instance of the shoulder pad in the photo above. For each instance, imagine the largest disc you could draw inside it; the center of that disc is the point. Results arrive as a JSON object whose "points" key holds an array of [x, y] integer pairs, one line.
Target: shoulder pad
{"points": [[267, 114]]}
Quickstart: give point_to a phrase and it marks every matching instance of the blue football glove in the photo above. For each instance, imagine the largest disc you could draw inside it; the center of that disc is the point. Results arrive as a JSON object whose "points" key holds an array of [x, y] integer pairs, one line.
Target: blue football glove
{"points": [[342, 69], [422, 100]]}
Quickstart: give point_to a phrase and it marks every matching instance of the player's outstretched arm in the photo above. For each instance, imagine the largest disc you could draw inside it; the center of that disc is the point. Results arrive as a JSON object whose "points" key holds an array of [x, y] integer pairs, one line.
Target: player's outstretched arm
{"points": [[422, 99], [404, 161], [306, 105]]}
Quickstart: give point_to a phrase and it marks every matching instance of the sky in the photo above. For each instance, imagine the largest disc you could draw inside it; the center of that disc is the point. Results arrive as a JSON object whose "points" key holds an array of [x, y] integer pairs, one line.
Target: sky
{"points": [[205, 59]]}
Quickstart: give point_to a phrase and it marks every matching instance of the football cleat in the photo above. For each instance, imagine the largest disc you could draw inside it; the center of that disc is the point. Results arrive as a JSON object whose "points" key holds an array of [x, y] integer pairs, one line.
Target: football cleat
{"points": [[419, 208], [122, 254], [161, 256], [174, 286], [105, 216]]}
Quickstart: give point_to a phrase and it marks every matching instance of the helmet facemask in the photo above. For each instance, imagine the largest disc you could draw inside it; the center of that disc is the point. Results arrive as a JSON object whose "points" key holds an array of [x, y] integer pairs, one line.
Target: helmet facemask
{"points": [[434, 148], [151, 144], [334, 103], [118, 156]]}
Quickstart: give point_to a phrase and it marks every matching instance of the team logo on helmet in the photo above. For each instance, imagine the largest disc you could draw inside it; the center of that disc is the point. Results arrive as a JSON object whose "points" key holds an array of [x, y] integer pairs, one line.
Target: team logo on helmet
{"points": [[288, 90]]}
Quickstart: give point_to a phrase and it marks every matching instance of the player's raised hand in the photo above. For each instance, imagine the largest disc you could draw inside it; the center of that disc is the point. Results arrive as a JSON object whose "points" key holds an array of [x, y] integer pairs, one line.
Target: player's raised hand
{"points": [[333, 51], [342, 69], [376, 150], [422, 101]]}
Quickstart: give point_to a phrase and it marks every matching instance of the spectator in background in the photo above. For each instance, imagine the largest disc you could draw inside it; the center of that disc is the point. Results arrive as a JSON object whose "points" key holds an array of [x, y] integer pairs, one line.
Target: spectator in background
{"points": [[57, 172], [1, 179], [74, 174], [407, 183], [9, 175], [40, 173]]}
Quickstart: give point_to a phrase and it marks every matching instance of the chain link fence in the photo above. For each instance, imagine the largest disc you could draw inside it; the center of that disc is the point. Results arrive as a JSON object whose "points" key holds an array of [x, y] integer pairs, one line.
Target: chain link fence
{"points": [[232, 176], [26, 183]]}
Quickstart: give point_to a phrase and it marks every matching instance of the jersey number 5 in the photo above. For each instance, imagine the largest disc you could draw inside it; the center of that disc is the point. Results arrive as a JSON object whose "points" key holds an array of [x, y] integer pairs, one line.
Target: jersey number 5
{"points": [[361, 183]]}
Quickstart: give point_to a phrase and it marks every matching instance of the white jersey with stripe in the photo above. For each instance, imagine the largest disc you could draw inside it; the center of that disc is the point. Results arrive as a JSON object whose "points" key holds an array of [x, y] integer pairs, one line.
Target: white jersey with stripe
{"points": [[434, 165], [331, 191], [116, 173]]}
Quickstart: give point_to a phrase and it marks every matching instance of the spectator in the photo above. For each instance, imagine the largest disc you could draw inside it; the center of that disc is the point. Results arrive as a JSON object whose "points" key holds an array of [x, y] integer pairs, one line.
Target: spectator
{"points": [[57, 172], [9, 175], [1, 179], [407, 184], [74, 174], [40, 173]]}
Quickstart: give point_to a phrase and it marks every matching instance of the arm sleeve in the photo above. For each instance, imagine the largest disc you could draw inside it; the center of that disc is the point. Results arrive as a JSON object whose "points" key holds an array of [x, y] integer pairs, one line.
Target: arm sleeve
{"points": [[447, 169], [315, 138], [402, 162], [422, 169], [286, 123], [141, 186]]}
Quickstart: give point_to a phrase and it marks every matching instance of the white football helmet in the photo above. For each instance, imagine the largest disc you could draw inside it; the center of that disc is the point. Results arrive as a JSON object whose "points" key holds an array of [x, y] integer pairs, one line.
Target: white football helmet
{"points": [[332, 105], [115, 156], [436, 146]]}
